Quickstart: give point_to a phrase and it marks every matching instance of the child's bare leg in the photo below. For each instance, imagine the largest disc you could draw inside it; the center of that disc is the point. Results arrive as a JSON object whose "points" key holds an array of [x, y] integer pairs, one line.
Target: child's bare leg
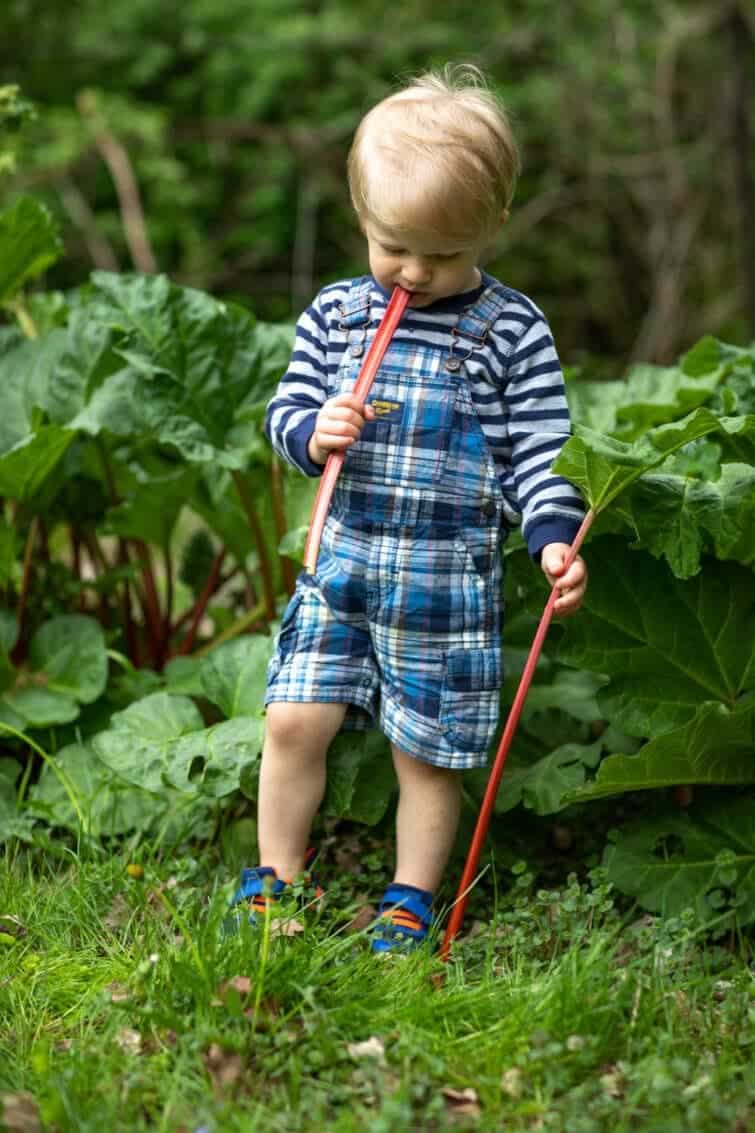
{"points": [[292, 780], [426, 820]]}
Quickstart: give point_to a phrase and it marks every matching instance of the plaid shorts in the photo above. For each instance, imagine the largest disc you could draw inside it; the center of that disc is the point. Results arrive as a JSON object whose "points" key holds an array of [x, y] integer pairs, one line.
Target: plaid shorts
{"points": [[404, 630]]}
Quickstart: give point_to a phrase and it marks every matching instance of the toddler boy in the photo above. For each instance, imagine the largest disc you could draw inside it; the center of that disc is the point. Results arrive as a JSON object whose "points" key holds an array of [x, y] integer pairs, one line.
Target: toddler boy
{"points": [[401, 622]]}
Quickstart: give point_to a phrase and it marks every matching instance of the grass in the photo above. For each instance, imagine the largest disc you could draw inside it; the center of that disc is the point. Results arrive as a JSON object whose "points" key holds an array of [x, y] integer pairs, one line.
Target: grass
{"points": [[123, 1008]]}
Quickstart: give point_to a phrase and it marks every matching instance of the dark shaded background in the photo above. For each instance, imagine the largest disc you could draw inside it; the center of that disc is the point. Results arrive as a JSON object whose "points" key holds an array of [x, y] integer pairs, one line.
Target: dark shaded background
{"points": [[208, 139]]}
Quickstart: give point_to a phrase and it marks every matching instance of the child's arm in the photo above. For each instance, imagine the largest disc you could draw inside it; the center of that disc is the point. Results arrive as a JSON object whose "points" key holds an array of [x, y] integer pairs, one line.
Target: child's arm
{"points": [[538, 427], [291, 414], [571, 585]]}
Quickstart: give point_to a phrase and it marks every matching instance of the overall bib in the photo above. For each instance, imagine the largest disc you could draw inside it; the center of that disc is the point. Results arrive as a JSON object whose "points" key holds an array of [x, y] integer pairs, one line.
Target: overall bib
{"points": [[402, 618]]}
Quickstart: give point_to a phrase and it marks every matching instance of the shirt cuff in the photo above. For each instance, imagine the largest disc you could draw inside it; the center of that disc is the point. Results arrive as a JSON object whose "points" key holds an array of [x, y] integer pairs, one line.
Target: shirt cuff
{"points": [[550, 531], [297, 443]]}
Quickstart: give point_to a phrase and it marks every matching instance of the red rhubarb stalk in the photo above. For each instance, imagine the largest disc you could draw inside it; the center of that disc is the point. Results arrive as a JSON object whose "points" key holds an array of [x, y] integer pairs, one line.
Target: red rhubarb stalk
{"points": [[334, 463], [486, 810]]}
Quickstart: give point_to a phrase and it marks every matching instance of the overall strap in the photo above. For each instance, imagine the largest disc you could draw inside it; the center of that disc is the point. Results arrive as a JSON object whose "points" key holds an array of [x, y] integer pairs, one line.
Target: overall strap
{"points": [[476, 320], [470, 332], [355, 309]]}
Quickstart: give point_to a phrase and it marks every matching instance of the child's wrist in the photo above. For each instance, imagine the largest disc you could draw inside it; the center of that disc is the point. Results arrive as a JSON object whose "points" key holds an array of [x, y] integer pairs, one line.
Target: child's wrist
{"points": [[315, 453]]}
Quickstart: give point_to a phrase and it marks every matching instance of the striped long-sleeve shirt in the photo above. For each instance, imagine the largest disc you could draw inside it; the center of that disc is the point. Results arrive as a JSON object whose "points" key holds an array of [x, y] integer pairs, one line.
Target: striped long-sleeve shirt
{"points": [[515, 383]]}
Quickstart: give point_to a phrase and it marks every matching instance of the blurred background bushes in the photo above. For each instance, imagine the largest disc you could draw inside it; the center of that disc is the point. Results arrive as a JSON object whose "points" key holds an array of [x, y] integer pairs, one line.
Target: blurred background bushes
{"points": [[208, 139]]}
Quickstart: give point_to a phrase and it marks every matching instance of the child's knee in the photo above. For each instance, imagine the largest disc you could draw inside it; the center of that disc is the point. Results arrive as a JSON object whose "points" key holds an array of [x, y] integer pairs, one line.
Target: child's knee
{"points": [[301, 727]]}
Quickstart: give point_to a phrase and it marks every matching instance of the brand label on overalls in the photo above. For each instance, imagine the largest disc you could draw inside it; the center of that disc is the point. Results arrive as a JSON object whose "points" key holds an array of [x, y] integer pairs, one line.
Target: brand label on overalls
{"points": [[388, 410]]}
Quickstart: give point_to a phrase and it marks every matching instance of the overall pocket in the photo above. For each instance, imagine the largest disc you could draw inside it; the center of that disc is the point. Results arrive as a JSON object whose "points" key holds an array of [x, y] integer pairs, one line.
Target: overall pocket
{"points": [[469, 696], [414, 400]]}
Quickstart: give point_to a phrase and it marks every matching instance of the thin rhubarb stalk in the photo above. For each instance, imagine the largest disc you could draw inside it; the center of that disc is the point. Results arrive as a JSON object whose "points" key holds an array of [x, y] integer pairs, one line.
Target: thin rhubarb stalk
{"points": [[486, 810], [245, 496], [334, 463], [26, 573], [199, 609]]}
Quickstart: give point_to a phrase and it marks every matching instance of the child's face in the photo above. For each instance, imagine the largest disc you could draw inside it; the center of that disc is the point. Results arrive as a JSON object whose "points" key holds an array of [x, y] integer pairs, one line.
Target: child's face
{"points": [[429, 266]]}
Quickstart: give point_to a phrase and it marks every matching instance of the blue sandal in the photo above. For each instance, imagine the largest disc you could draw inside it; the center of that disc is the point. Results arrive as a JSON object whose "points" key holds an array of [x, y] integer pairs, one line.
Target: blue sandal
{"points": [[405, 915], [261, 889]]}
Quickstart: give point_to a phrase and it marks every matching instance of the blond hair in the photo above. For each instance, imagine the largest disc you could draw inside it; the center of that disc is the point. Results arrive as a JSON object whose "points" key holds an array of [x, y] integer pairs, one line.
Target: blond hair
{"points": [[438, 156]]}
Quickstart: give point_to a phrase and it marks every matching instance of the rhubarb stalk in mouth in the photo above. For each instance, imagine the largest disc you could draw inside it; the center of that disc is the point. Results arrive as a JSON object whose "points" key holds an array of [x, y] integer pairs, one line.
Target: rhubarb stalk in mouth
{"points": [[390, 320]]}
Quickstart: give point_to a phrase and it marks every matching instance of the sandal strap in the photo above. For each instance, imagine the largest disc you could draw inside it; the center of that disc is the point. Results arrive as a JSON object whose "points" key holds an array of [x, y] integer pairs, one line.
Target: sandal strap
{"points": [[259, 885], [406, 902]]}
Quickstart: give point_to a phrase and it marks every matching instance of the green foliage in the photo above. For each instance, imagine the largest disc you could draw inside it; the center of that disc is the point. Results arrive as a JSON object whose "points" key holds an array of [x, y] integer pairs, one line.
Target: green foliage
{"points": [[67, 668], [196, 560], [29, 243], [704, 858], [237, 127], [139, 401]]}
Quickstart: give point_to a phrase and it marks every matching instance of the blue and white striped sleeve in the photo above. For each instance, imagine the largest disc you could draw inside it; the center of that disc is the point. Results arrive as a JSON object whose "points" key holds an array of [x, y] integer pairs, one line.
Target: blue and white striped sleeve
{"points": [[552, 508], [290, 415]]}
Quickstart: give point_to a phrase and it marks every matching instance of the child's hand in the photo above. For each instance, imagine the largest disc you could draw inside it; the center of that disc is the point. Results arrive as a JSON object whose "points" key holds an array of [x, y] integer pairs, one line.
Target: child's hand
{"points": [[572, 585], [338, 425]]}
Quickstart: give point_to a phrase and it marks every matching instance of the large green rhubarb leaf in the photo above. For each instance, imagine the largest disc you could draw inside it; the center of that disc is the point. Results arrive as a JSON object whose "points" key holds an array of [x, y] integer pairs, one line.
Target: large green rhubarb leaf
{"points": [[108, 805], [679, 517], [234, 675], [716, 746], [690, 859], [604, 467], [160, 740], [543, 785], [361, 779], [667, 645], [194, 367], [67, 668], [29, 450]]}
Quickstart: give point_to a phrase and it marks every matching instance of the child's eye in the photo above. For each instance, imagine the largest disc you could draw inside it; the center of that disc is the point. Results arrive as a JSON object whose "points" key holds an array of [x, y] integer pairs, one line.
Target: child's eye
{"points": [[446, 255], [392, 251]]}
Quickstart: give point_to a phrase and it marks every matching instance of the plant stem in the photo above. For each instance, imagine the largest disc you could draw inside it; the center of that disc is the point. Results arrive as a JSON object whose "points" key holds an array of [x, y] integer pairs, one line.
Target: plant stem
{"points": [[201, 605], [187, 615], [279, 519], [233, 631], [169, 592], [57, 771], [151, 604], [25, 580], [259, 538], [25, 321]]}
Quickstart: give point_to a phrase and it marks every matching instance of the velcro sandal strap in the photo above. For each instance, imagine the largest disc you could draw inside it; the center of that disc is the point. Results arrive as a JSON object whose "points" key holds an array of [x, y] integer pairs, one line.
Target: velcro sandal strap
{"points": [[259, 882], [408, 900]]}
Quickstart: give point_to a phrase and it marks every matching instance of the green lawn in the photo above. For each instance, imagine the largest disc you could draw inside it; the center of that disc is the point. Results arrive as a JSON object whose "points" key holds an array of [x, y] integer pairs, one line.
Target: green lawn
{"points": [[122, 1008]]}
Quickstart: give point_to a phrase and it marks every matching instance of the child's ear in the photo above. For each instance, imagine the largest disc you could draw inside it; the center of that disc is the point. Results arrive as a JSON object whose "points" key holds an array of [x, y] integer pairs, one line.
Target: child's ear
{"points": [[504, 216]]}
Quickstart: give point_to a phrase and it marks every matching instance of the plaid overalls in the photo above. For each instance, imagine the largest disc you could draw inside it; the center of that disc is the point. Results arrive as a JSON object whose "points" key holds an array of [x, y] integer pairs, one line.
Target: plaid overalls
{"points": [[403, 613]]}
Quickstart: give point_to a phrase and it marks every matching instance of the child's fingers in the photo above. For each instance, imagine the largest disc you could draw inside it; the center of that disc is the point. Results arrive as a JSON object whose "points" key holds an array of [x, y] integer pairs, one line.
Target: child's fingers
{"points": [[574, 577]]}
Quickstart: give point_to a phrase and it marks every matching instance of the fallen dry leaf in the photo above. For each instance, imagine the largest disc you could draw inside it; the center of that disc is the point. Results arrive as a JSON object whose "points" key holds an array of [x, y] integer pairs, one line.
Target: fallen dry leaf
{"points": [[285, 926], [224, 1066], [612, 1081], [373, 1047], [20, 1113], [461, 1102], [511, 1082], [118, 992], [362, 921], [241, 984], [130, 1042]]}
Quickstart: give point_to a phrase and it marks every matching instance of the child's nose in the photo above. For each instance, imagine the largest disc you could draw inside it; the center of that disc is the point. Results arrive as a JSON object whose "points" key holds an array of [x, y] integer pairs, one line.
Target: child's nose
{"points": [[415, 271]]}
